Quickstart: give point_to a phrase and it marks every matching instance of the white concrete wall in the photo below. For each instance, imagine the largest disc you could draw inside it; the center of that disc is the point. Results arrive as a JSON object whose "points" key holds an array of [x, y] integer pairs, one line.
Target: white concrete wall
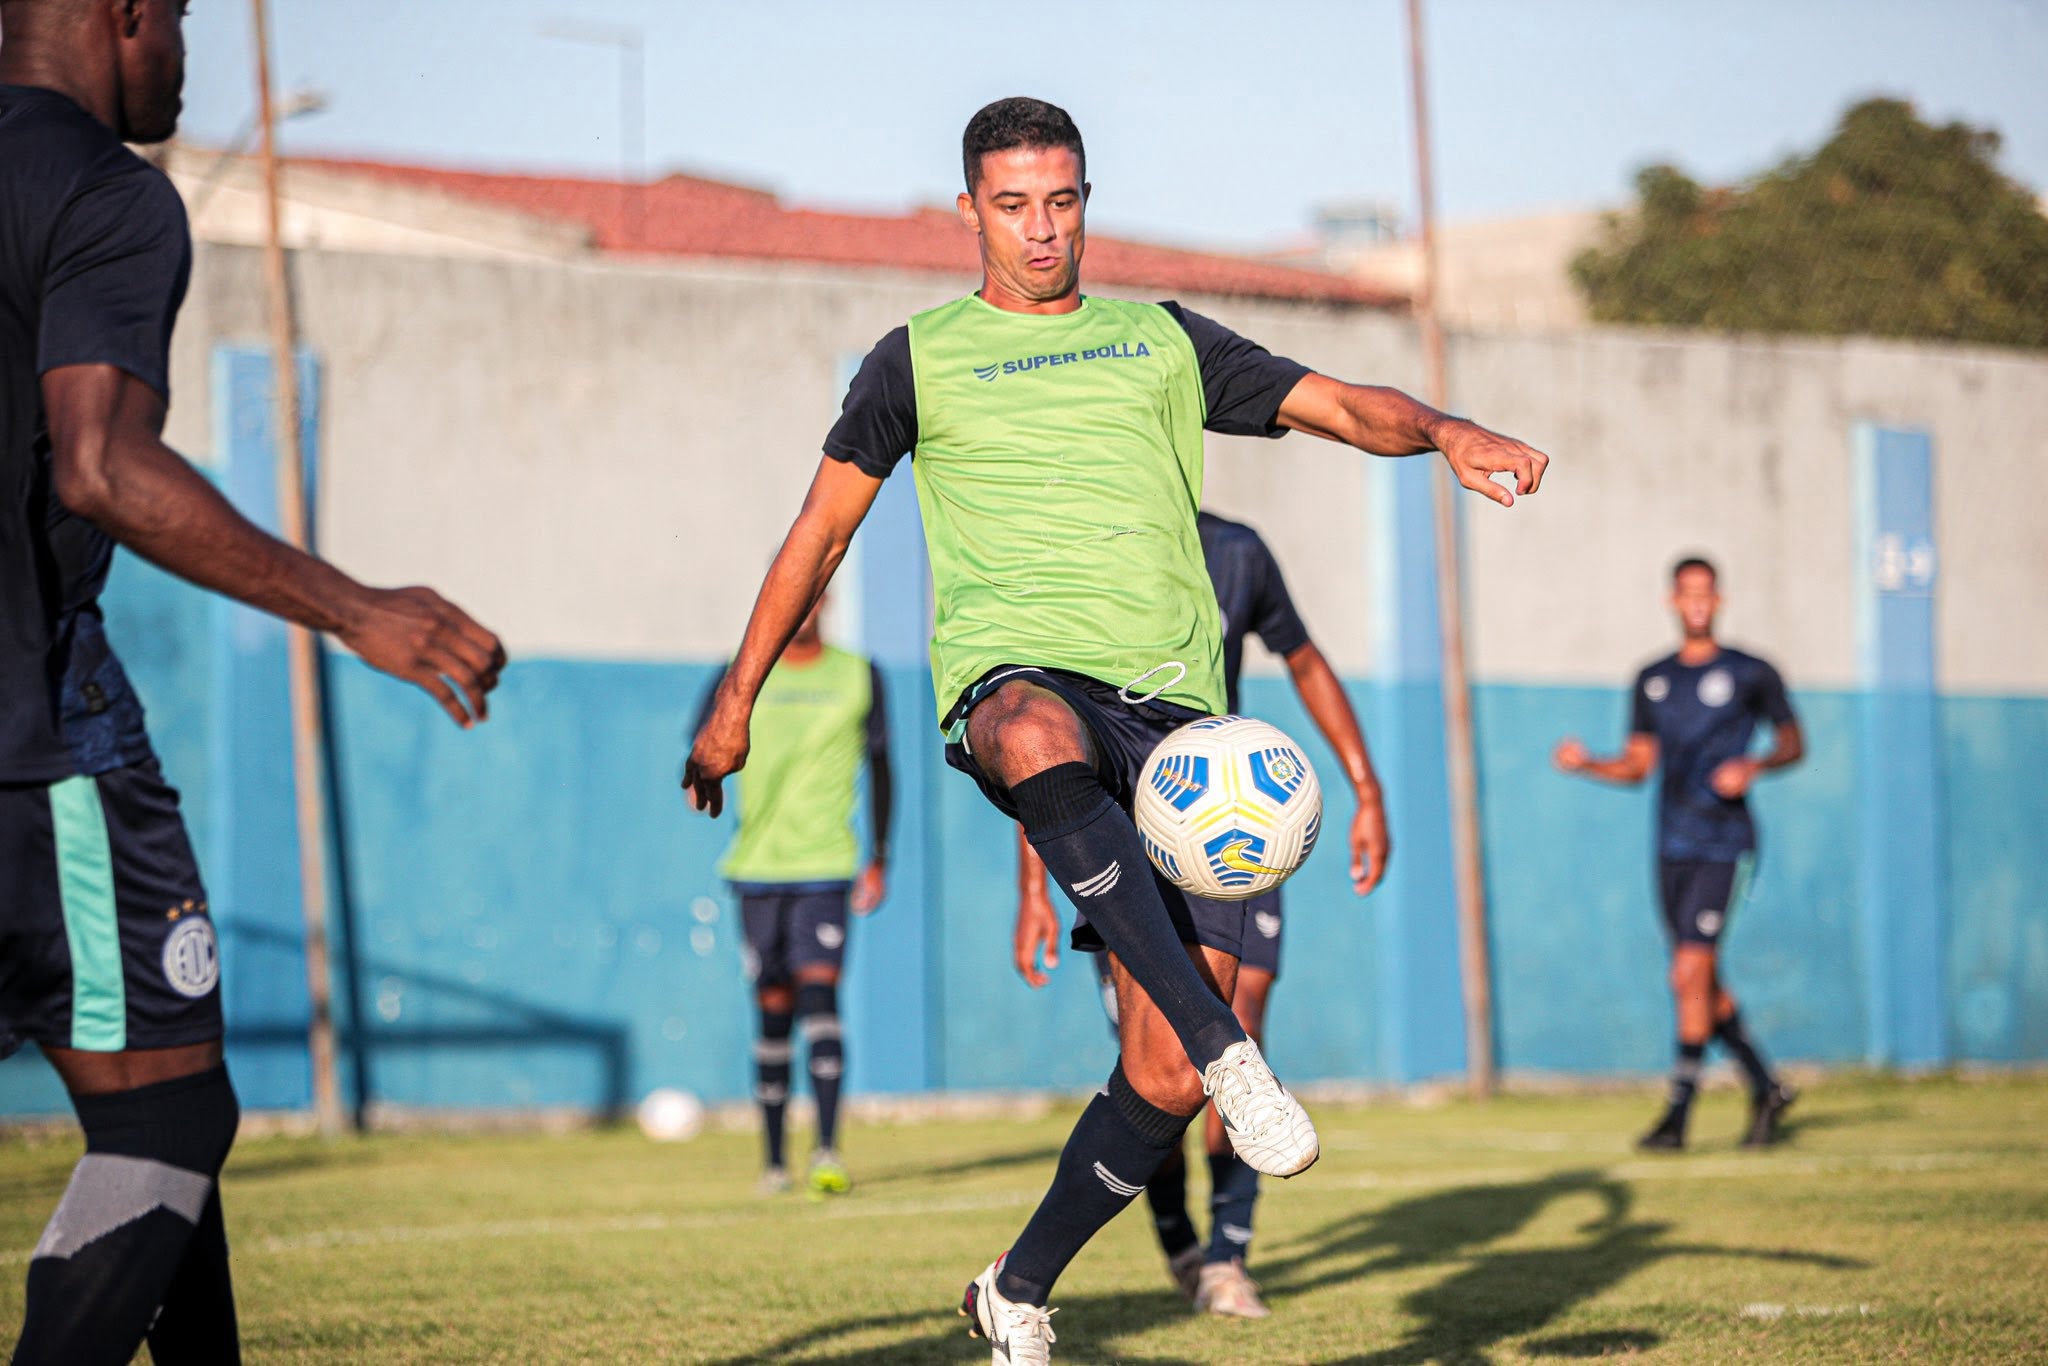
{"points": [[599, 458]]}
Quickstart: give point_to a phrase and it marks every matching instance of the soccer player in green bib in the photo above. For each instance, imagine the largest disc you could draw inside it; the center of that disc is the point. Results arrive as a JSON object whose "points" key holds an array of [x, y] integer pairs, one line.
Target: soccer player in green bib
{"points": [[1057, 446], [792, 863]]}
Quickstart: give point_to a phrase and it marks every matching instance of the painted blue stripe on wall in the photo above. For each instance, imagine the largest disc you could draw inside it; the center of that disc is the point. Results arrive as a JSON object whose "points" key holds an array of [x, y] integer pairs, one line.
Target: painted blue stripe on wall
{"points": [[1901, 868]]}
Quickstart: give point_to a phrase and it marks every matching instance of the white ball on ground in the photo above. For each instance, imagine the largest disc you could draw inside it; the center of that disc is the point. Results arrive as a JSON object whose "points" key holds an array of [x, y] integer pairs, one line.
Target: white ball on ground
{"points": [[668, 1115], [1228, 807]]}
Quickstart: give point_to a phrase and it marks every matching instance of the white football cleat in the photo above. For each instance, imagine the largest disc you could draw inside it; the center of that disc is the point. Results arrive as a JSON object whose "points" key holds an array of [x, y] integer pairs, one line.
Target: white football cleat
{"points": [[1267, 1126], [1226, 1289], [1018, 1334]]}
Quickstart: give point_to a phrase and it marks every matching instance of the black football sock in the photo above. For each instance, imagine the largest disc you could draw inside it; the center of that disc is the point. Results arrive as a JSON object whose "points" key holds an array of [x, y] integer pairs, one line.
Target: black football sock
{"points": [[817, 1007], [1685, 1078], [1233, 1192], [1747, 1056], [771, 1078], [1167, 1194], [1092, 849], [197, 1325], [1115, 1148], [117, 1244]]}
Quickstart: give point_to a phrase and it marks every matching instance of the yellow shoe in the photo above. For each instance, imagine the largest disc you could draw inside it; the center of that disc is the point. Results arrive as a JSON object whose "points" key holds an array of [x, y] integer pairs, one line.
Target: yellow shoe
{"points": [[827, 1176]]}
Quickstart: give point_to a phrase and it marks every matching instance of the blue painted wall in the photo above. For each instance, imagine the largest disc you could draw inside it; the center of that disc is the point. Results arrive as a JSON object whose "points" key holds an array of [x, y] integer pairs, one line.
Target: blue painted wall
{"points": [[534, 918], [539, 922]]}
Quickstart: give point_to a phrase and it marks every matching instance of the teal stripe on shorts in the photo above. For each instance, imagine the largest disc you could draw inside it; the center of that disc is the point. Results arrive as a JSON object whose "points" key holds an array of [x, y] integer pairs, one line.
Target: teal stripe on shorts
{"points": [[85, 881]]}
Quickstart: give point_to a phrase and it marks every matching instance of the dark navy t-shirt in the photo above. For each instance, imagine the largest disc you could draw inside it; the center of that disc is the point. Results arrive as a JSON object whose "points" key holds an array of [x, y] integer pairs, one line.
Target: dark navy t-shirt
{"points": [[1251, 592], [1702, 716], [94, 259]]}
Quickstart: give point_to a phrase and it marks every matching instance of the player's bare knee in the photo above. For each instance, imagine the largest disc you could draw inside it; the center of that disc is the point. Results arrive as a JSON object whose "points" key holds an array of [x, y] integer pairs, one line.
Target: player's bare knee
{"points": [[818, 975], [779, 997], [1020, 730]]}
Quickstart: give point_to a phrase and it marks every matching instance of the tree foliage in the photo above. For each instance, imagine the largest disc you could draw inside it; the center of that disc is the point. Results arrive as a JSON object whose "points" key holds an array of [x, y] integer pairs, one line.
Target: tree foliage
{"points": [[1893, 228]]}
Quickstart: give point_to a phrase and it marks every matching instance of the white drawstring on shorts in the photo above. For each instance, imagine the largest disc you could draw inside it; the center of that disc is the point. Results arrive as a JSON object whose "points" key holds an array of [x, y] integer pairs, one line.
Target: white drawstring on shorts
{"points": [[1125, 691]]}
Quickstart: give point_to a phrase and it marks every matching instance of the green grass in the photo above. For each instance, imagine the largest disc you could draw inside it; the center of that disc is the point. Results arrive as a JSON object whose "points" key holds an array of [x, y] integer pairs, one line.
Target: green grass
{"points": [[1900, 1222]]}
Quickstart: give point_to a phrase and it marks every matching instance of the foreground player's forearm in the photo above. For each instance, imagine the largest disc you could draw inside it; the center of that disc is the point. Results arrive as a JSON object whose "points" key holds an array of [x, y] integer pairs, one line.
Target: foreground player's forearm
{"points": [[147, 497], [838, 499], [1373, 418]]}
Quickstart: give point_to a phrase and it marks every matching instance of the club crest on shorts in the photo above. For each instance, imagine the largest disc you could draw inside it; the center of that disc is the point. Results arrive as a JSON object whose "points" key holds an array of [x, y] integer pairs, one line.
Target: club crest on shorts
{"points": [[831, 935], [1268, 923], [192, 957]]}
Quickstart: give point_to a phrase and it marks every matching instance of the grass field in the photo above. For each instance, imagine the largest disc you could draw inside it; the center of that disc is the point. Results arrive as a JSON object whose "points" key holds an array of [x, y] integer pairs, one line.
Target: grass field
{"points": [[1899, 1222]]}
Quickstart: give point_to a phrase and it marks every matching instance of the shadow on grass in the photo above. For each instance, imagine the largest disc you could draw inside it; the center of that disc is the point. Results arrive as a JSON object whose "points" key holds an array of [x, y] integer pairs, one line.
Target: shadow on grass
{"points": [[1044, 1155], [1485, 1299]]}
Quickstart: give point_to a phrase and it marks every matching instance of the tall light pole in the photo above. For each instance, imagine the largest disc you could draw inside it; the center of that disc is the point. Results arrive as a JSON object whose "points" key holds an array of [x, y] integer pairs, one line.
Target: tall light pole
{"points": [[631, 45], [308, 761], [1461, 765]]}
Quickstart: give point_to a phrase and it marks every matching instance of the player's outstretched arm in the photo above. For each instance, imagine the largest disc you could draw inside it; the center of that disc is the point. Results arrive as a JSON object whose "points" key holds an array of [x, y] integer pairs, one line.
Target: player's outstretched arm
{"points": [[1038, 924], [1635, 762], [1323, 694], [839, 498], [1381, 421], [111, 467]]}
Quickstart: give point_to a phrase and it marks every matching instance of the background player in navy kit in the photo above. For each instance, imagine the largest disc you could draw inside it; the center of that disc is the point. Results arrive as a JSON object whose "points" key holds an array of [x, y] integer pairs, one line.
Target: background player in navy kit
{"points": [[1254, 600], [792, 862], [1696, 712], [108, 959]]}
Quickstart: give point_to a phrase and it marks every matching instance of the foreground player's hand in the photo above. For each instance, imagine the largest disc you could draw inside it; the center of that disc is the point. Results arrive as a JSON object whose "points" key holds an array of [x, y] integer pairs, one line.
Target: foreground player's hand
{"points": [[869, 889], [1569, 756], [1732, 779], [1476, 455], [419, 636], [719, 752], [1371, 845], [1038, 935]]}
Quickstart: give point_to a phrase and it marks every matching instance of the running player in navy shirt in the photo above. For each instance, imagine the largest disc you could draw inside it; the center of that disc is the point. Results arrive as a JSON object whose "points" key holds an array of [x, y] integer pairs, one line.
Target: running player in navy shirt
{"points": [[108, 959], [1696, 712], [1254, 600]]}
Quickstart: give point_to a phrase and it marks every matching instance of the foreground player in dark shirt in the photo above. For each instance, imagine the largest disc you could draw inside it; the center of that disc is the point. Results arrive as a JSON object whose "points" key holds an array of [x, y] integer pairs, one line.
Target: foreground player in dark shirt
{"points": [[1253, 598], [1696, 712], [108, 959]]}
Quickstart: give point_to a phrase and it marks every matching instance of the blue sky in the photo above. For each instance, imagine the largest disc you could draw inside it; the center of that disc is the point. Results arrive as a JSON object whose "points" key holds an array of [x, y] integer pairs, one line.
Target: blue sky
{"points": [[1207, 122]]}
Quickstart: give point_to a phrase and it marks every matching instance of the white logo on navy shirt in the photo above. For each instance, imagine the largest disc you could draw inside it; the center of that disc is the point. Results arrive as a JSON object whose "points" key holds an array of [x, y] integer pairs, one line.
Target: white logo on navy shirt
{"points": [[1717, 688], [1657, 688]]}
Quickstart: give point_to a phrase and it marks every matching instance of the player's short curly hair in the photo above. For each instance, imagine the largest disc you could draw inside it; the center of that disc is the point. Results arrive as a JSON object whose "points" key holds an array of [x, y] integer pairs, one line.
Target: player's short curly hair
{"points": [[1695, 562], [1017, 122]]}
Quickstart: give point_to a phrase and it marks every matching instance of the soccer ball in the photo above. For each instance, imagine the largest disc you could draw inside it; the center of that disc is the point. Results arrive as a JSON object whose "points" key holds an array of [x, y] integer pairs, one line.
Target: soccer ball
{"points": [[1228, 807], [670, 1116]]}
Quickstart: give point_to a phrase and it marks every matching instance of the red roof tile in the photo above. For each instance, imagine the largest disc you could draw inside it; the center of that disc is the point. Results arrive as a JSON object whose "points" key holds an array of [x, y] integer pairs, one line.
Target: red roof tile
{"points": [[684, 215]]}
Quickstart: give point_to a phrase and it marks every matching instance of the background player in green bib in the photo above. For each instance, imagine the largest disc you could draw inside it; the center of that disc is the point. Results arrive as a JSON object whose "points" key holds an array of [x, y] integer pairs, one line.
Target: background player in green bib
{"points": [[1058, 456], [792, 863]]}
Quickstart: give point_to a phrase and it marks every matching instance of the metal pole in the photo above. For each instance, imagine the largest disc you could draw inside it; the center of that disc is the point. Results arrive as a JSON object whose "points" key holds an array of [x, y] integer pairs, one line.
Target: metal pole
{"points": [[1474, 955], [307, 776]]}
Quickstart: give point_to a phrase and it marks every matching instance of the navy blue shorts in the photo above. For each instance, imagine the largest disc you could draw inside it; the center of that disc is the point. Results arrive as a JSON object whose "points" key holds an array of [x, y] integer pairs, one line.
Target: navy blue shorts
{"points": [[1701, 897], [1125, 735], [105, 939], [792, 925]]}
